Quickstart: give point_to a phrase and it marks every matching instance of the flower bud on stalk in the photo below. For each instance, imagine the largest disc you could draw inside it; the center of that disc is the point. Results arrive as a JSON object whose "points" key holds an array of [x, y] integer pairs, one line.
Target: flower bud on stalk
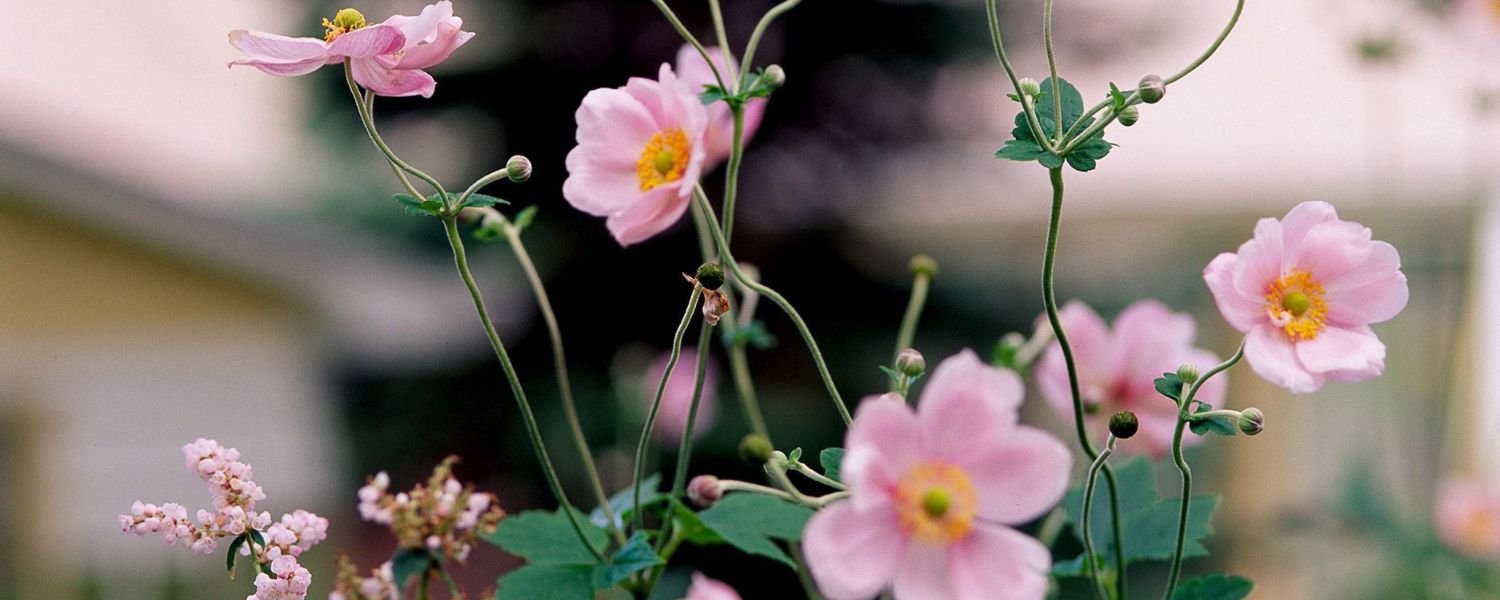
{"points": [[518, 168], [1152, 89], [1252, 421], [1129, 115], [755, 449], [710, 276], [1029, 87], [910, 363], [1188, 373], [704, 490], [773, 78], [923, 265], [1123, 424]]}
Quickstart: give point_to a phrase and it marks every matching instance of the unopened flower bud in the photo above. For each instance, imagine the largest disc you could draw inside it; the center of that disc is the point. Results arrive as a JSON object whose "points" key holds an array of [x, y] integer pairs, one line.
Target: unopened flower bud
{"points": [[1188, 372], [755, 449], [910, 363], [710, 275], [715, 304], [1029, 87], [923, 265], [1152, 89], [1252, 421], [518, 168], [773, 77], [1129, 115], [704, 490], [1123, 424]]}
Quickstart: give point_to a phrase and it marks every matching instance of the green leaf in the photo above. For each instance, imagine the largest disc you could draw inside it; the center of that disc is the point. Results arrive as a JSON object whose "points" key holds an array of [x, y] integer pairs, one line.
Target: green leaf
{"points": [[1214, 586], [750, 522], [1149, 522], [831, 459], [1080, 163], [1095, 148], [419, 207], [408, 563], [258, 538], [635, 556], [1026, 146], [1022, 150], [753, 335], [234, 551], [1072, 104], [1050, 160], [896, 376], [547, 538], [691, 527], [795, 455], [481, 201], [1116, 97], [622, 503], [1073, 567], [1169, 385], [525, 217], [712, 93], [1221, 424], [547, 582]]}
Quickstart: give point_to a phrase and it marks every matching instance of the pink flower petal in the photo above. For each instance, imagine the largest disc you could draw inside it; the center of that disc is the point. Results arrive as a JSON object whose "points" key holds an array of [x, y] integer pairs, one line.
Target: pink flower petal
{"points": [[368, 42], [1088, 335], [1241, 311], [1020, 476], [449, 38], [1354, 352], [391, 82], [1147, 337], [1302, 218], [1331, 249], [998, 563], [1273, 356], [655, 212], [283, 69], [424, 26], [1259, 261], [853, 554], [704, 588], [271, 48], [924, 574], [1373, 292], [597, 189], [967, 400], [884, 441]]}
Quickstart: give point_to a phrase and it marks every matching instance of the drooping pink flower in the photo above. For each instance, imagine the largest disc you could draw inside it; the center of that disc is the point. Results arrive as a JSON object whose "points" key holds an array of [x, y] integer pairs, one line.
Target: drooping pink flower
{"points": [[639, 156], [387, 58], [1116, 370], [1467, 516], [1305, 290], [677, 399], [704, 588], [932, 493], [693, 71]]}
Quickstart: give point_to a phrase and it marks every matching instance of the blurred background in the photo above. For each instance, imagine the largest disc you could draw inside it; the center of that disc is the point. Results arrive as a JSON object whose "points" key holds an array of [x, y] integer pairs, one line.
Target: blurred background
{"points": [[188, 250]]}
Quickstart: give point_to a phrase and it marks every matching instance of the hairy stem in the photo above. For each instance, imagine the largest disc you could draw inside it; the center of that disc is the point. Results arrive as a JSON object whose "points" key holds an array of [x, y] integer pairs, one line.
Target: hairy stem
{"points": [[682, 30]]}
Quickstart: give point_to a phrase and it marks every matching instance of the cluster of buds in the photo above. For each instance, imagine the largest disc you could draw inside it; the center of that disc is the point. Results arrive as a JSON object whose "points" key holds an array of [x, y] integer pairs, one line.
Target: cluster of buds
{"points": [[234, 496], [380, 585], [444, 516]]}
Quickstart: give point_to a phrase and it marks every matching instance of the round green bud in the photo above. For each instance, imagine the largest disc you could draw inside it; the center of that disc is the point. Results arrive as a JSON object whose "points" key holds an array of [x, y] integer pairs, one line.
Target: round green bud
{"points": [[1123, 424], [1188, 372], [1129, 115], [1252, 421], [704, 491], [910, 363], [773, 77], [755, 449], [348, 19], [1152, 89], [710, 275], [1029, 87], [518, 168], [924, 265]]}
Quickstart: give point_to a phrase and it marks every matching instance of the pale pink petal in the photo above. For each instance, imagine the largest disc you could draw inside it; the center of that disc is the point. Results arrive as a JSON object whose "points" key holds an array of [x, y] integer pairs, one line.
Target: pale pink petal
{"points": [[883, 442], [998, 563], [1467, 517], [1019, 476], [1158, 423], [967, 400], [1331, 249], [1302, 218], [597, 189], [654, 212], [1147, 338], [1241, 311], [1373, 292], [924, 574], [677, 398], [391, 82], [693, 71], [272, 48], [615, 127], [424, 26], [1259, 262], [704, 588], [283, 69], [1354, 352], [449, 37], [1273, 356], [853, 554], [367, 42], [1088, 335]]}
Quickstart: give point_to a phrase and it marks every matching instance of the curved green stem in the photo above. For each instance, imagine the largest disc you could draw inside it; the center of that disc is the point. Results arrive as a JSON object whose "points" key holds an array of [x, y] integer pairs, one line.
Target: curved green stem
{"points": [[1052, 69], [920, 283], [760, 30], [368, 119], [732, 170], [682, 30], [739, 363], [1096, 564], [779, 300], [489, 178], [661, 388], [993, 16], [685, 449], [1183, 406], [1049, 300], [460, 259], [719, 31], [560, 365]]}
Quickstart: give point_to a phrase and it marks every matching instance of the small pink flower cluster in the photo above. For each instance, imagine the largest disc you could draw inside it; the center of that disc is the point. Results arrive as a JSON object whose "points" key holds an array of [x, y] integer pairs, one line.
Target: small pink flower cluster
{"points": [[444, 516], [290, 582], [297, 532], [171, 521], [380, 585]]}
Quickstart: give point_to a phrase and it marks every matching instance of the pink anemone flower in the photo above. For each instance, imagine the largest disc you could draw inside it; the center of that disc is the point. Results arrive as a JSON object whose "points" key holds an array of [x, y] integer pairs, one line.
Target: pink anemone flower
{"points": [[387, 58], [719, 138], [1305, 291], [1117, 368], [1467, 517], [933, 492], [704, 588], [639, 156]]}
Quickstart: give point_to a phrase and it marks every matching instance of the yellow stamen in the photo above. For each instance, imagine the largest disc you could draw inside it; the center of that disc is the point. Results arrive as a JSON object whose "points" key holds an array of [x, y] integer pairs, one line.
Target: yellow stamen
{"points": [[936, 503], [1295, 303], [344, 21], [664, 159]]}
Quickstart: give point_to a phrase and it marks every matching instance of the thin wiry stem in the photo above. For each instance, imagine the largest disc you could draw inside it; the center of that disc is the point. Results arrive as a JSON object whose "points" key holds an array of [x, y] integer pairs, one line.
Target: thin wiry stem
{"points": [[661, 388]]}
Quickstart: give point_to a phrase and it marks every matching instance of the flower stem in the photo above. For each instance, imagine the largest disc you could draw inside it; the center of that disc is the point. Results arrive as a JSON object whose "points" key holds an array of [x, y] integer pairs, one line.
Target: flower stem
{"points": [[560, 364], [460, 259], [1049, 300], [1187, 472], [809, 473], [732, 170], [368, 119], [920, 283], [1052, 68], [661, 388], [682, 30], [1095, 564], [685, 449], [760, 30], [993, 15], [779, 300], [718, 18]]}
